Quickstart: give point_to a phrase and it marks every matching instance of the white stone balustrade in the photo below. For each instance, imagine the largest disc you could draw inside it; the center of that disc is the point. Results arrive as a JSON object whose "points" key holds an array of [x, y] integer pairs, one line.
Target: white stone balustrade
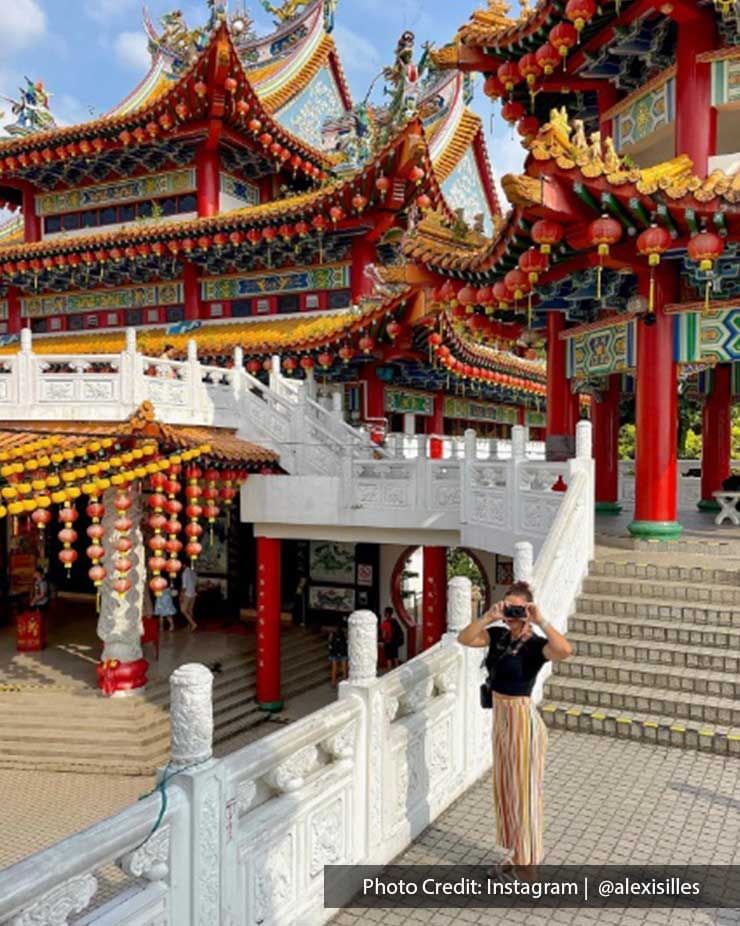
{"points": [[688, 488]]}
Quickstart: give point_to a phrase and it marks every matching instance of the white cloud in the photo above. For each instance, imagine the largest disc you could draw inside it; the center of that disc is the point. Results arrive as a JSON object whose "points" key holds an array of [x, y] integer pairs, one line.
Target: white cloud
{"points": [[104, 10], [68, 110], [22, 22], [358, 56], [131, 50]]}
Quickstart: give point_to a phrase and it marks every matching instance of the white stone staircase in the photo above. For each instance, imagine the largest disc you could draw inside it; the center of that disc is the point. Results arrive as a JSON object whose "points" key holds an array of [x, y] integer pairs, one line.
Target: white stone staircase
{"points": [[657, 639]]}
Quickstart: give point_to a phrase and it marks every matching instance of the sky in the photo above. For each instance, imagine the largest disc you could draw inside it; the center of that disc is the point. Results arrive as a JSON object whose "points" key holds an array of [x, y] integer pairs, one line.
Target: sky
{"points": [[91, 53]]}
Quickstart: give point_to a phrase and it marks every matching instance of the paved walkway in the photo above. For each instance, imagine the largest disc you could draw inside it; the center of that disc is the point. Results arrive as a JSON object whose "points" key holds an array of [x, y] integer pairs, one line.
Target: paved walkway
{"points": [[606, 801]]}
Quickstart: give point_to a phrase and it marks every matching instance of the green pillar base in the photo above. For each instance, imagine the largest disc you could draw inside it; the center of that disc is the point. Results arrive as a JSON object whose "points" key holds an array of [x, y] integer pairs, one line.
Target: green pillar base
{"points": [[271, 706], [655, 530], [608, 508], [708, 504]]}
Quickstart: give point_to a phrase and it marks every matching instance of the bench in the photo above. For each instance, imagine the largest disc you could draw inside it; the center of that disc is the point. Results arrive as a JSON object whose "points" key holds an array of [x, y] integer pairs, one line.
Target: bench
{"points": [[728, 511]]}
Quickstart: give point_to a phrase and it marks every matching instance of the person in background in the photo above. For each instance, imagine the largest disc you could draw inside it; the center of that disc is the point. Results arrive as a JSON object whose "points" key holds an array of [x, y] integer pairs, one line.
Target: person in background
{"points": [[391, 633], [189, 594], [39, 599], [164, 608], [338, 653]]}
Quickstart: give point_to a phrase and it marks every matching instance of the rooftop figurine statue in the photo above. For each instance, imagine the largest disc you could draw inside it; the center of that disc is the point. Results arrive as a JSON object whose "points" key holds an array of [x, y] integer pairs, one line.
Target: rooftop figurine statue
{"points": [[31, 110]]}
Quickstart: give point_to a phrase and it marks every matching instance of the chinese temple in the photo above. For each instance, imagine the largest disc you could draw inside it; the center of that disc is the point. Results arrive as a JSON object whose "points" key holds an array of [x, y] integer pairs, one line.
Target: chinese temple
{"points": [[625, 223]]}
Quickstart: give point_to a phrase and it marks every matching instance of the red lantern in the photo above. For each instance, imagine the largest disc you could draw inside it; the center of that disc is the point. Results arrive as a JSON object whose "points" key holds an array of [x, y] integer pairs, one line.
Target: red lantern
{"points": [[580, 13], [359, 202], [705, 248], [652, 243], [41, 518], [393, 329], [423, 201], [157, 585], [603, 232], [493, 88], [346, 353], [517, 284], [533, 263], [547, 58], [512, 111], [467, 297], [501, 294], [484, 297], [508, 74], [563, 37], [529, 68], [289, 365], [382, 185], [546, 233], [326, 359], [528, 127], [336, 214], [306, 363], [367, 344]]}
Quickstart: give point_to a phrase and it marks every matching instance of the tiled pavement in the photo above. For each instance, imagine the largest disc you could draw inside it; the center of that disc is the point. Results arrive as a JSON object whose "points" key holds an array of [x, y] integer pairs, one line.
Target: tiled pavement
{"points": [[606, 801]]}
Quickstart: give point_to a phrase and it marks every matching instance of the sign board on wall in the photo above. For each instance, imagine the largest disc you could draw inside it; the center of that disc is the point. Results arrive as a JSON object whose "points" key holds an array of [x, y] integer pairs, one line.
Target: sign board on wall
{"points": [[401, 401], [470, 410]]}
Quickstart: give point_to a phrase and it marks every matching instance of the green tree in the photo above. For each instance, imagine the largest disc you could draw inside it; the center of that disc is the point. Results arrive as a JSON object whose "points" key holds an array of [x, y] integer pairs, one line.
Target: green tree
{"points": [[460, 563]]}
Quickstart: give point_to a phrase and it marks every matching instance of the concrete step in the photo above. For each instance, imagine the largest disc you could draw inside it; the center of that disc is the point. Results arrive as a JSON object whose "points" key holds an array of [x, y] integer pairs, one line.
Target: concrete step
{"points": [[659, 631], [684, 591], [629, 699], [633, 568], [642, 727], [677, 679], [631, 651], [640, 609], [705, 547]]}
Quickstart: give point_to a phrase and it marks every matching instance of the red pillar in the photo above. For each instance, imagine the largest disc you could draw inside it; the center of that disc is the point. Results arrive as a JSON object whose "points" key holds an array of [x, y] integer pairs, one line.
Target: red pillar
{"points": [[191, 290], [31, 221], [14, 310], [435, 423], [656, 416], [521, 415], [606, 445], [716, 437], [696, 118], [363, 253], [434, 595], [374, 391], [268, 624], [607, 97], [559, 440], [207, 181]]}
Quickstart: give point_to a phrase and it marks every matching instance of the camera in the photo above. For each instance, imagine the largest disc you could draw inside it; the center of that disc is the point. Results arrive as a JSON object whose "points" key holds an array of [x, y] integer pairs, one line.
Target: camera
{"points": [[516, 611]]}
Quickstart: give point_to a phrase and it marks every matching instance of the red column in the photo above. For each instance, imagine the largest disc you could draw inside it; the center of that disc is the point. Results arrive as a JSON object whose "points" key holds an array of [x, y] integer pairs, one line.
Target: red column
{"points": [[716, 437], [559, 402], [606, 444], [435, 423], [191, 290], [434, 595], [696, 118], [14, 310], [656, 416], [268, 624], [207, 181], [521, 415], [31, 221], [363, 253], [374, 391]]}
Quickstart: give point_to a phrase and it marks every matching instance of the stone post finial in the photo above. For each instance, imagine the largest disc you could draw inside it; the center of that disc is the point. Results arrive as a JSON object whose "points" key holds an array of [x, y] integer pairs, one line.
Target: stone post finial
{"points": [[238, 357], [471, 444], [191, 715], [518, 442], [192, 349], [363, 646], [131, 340], [583, 440], [523, 561], [459, 603], [26, 340]]}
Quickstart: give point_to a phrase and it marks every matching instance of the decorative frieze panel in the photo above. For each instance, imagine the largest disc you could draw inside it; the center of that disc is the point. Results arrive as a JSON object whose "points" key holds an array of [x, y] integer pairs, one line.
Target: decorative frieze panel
{"points": [[127, 297], [709, 337], [331, 276], [534, 419], [403, 401], [726, 81], [464, 190], [135, 189], [469, 410], [601, 351], [240, 189], [305, 114], [645, 114]]}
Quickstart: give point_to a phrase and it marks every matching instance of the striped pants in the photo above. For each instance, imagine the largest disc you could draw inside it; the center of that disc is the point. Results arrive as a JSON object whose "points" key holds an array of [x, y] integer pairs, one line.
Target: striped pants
{"points": [[519, 746]]}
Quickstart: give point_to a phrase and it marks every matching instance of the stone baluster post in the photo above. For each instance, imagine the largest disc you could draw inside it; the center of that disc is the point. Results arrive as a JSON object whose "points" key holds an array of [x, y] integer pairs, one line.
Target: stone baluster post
{"points": [[236, 381], [27, 373], [191, 715], [195, 389], [459, 604], [518, 442], [364, 685], [523, 561], [127, 372]]}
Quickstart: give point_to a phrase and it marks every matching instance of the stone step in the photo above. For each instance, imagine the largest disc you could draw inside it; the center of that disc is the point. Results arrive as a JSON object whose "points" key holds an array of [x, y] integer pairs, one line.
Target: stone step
{"points": [[592, 668], [656, 608], [707, 574], [630, 651], [660, 631], [643, 699], [704, 547], [642, 727], [684, 591]]}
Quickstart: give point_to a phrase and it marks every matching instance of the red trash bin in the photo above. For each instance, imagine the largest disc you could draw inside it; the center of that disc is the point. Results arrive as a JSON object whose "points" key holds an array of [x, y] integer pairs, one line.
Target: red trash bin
{"points": [[30, 632]]}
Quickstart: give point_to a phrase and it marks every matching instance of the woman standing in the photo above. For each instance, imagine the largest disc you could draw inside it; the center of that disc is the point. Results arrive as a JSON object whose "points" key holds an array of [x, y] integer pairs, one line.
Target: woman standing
{"points": [[515, 656]]}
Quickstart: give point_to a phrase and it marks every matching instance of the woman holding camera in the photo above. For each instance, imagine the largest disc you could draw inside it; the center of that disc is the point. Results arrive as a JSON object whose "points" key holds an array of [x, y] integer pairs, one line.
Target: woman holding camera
{"points": [[515, 656]]}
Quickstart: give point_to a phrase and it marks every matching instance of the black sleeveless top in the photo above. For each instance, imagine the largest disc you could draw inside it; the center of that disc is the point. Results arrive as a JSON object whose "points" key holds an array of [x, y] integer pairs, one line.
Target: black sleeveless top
{"points": [[513, 666]]}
